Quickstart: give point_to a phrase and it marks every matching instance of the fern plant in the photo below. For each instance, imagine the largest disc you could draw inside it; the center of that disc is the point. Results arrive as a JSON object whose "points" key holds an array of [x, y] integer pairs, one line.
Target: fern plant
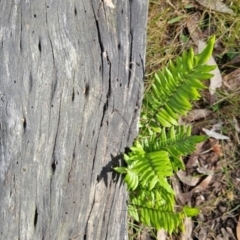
{"points": [[157, 153]]}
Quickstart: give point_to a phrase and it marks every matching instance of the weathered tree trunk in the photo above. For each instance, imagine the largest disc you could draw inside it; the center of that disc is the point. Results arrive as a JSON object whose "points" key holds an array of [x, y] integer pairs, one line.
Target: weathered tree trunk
{"points": [[71, 77]]}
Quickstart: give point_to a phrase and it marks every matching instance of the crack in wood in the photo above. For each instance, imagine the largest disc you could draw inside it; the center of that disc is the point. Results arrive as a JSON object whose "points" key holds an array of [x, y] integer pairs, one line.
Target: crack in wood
{"points": [[87, 222]]}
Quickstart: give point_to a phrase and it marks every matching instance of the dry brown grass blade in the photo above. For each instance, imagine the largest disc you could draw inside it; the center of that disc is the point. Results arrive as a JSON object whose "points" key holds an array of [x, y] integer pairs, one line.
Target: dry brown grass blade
{"points": [[238, 229], [236, 126], [216, 5]]}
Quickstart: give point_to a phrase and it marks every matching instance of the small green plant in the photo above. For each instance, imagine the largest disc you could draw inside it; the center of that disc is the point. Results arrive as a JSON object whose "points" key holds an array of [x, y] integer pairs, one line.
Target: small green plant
{"points": [[157, 152]]}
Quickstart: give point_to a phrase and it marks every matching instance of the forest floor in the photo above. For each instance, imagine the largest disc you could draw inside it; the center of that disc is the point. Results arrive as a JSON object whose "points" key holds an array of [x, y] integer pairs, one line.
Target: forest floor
{"points": [[211, 181]]}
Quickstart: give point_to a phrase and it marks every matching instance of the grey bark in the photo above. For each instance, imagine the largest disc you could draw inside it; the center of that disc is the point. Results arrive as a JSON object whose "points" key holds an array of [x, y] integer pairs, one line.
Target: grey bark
{"points": [[71, 76]]}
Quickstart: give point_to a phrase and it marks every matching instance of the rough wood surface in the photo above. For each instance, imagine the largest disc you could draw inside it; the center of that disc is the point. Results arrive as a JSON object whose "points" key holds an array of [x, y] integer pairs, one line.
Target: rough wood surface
{"points": [[71, 75]]}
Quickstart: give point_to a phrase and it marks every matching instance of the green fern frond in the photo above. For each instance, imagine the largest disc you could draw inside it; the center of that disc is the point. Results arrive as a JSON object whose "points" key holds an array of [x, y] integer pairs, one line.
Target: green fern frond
{"points": [[157, 218], [156, 198], [177, 141], [131, 179], [206, 53], [147, 168], [158, 153], [176, 86]]}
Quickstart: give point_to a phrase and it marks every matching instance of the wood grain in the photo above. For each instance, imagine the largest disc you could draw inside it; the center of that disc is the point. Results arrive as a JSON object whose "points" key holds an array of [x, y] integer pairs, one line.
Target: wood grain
{"points": [[71, 84]]}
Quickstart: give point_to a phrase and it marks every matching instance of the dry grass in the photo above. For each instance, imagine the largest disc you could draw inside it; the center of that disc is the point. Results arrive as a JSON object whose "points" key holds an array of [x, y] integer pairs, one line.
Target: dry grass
{"points": [[168, 35]]}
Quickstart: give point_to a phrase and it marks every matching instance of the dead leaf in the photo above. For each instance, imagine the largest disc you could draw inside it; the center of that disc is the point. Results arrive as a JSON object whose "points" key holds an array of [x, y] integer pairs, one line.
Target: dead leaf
{"points": [[216, 5], [199, 200], [182, 197], [215, 135], [225, 234], [238, 228], [217, 126], [193, 159], [232, 80], [208, 145], [216, 80], [188, 226], [217, 186], [196, 35], [197, 114], [193, 28], [161, 234], [203, 185], [205, 171], [186, 197], [213, 158], [109, 3], [219, 237], [203, 234], [188, 180], [145, 234], [230, 231], [217, 148]]}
